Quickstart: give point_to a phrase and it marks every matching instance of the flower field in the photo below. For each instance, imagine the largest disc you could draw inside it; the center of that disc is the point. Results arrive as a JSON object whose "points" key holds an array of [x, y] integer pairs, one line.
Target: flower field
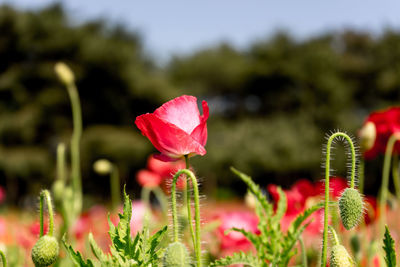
{"points": [[309, 224]]}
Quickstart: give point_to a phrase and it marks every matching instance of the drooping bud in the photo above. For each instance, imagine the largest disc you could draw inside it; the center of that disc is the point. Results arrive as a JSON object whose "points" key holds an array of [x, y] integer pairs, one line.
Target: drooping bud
{"points": [[367, 136], [45, 251], [64, 73], [176, 255], [340, 257], [351, 207], [58, 190], [102, 167]]}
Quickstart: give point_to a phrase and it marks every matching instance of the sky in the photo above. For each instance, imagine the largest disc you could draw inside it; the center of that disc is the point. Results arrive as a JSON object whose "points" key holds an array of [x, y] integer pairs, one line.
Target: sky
{"points": [[181, 26]]}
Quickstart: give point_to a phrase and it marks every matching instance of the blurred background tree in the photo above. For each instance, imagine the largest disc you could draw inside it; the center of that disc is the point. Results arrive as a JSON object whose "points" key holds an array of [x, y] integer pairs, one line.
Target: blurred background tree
{"points": [[271, 103]]}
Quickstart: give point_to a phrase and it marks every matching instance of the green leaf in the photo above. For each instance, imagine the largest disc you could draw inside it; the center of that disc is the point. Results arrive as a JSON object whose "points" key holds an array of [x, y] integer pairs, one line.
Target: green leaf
{"points": [[389, 247], [281, 208], [76, 257], [97, 251], [255, 189], [253, 238], [156, 239], [303, 216], [238, 258]]}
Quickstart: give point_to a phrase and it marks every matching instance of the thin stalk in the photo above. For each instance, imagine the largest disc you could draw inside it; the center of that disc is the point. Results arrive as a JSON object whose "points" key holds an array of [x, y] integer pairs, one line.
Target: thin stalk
{"points": [[61, 162], [361, 170], [395, 175], [46, 195], [196, 196], [75, 146], [115, 187], [385, 181], [145, 196], [303, 253], [327, 172], [162, 199], [188, 204]]}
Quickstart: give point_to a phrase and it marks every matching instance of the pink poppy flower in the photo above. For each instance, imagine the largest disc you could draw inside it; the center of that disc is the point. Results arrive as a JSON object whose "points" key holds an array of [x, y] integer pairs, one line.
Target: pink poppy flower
{"points": [[176, 128], [148, 178]]}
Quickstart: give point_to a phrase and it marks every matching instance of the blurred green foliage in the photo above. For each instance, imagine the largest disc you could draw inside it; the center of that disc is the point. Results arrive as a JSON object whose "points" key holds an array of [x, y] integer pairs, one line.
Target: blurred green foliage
{"points": [[271, 103]]}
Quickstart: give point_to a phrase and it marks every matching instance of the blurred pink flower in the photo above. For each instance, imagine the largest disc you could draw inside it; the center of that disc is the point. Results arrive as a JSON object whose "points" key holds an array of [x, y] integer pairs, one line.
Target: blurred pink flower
{"points": [[138, 213], [235, 241], [148, 178]]}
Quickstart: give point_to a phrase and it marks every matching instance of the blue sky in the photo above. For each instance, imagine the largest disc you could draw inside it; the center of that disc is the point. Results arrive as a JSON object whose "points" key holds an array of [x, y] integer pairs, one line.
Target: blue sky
{"points": [[180, 26]]}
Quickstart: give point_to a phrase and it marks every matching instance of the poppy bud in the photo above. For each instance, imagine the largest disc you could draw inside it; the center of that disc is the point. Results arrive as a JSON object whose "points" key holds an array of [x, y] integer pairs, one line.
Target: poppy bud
{"points": [[64, 73], [45, 251], [367, 136], [58, 190], [176, 255], [102, 167], [340, 257], [351, 207]]}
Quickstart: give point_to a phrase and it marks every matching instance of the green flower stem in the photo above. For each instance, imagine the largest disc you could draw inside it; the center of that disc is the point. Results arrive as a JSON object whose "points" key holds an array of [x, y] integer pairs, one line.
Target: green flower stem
{"points": [[115, 187], [145, 196], [327, 172], [3, 258], [334, 235], [45, 194], [303, 253], [361, 170], [385, 181], [197, 244], [188, 204], [75, 146], [61, 162], [395, 174]]}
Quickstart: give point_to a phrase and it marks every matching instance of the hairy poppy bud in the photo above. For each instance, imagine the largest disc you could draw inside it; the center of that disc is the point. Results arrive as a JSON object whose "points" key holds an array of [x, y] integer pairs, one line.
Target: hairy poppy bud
{"points": [[176, 255], [351, 208], [64, 73], [45, 251], [340, 257], [367, 136]]}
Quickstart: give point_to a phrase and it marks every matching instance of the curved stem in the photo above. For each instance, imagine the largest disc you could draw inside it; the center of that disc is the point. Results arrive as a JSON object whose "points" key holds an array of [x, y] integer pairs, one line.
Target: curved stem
{"points": [[3, 258], [395, 175], [75, 146], [46, 195], [162, 199], [188, 204], [327, 172], [196, 196], [385, 181]]}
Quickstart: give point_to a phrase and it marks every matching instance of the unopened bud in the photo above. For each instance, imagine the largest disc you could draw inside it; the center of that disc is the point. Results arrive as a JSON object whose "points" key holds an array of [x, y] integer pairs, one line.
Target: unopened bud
{"points": [[367, 136], [45, 251], [340, 257], [102, 167], [64, 73], [176, 255], [351, 207]]}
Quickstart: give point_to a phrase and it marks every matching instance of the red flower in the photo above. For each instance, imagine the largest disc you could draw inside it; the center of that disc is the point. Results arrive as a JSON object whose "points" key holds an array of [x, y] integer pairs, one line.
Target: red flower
{"points": [[148, 179], [374, 139], [235, 241], [176, 128]]}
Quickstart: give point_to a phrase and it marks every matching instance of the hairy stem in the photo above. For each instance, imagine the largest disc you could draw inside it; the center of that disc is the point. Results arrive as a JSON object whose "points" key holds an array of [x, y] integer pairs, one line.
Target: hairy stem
{"points": [[45, 194], [334, 235], [196, 196], [327, 173], [361, 170], [188, 204]]}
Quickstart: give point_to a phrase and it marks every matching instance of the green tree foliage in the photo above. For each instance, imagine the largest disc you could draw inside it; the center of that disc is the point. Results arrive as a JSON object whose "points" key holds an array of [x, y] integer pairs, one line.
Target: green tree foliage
{"points": [[271, 102]]}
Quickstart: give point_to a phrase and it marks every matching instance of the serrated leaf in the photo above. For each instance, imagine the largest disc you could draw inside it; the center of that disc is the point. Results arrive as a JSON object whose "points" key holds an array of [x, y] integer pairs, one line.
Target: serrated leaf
{"points": [[156, 239], [303, 216], [238, 258], [76, 256], [97, 251], [281, 207], [253, 238], [255, 189], [389, 247]]}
